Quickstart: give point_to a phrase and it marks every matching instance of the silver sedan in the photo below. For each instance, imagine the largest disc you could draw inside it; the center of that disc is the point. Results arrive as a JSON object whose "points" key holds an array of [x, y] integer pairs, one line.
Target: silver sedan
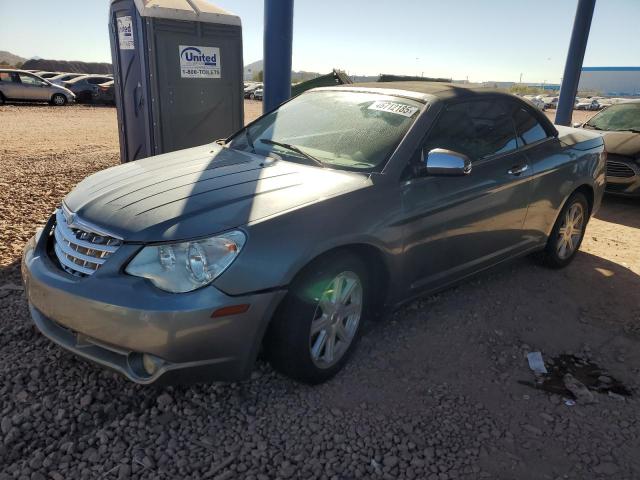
{"points": [[19, 85]]}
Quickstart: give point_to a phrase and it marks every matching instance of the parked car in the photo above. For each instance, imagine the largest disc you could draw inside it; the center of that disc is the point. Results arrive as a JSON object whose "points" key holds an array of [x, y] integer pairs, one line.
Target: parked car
{"points": [[18, 85], [65, 77], [340, 203], [619, 125], [85, 86], [256, 94], [551, 102], [47, 75], [105, 93], [250, 89], [587, 104], [537, 102]]}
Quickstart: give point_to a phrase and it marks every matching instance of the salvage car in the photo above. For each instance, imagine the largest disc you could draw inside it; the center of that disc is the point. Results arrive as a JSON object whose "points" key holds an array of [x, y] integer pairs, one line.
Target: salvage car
{"points": [[22, 86], [105, 94], [65, 77], [620, 128], [286, 237], [588, 104], [84, 87]]}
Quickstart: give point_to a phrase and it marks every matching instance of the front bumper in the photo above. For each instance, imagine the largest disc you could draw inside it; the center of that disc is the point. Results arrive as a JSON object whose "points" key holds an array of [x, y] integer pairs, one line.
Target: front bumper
{"points": [[623, 176], [112, 319]]}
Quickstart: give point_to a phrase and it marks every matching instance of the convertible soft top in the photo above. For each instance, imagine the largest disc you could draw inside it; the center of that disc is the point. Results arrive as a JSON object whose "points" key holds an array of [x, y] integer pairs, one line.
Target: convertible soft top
{"points": [[438, 89]]}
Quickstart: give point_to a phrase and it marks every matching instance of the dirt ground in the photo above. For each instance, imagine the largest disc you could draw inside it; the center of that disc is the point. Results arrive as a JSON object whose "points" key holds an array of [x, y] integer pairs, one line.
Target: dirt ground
{"points": [[437, 390]]}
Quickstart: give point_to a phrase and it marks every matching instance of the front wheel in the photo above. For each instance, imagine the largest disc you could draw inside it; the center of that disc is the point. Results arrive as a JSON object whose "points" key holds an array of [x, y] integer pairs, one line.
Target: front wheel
{"points": [[318, 324], [252, 96], [567, 234], [58, 100]]}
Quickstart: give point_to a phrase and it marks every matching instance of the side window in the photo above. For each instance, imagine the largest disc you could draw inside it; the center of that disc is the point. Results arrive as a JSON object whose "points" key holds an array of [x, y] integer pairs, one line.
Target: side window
{"points": [[29, 80], [98, 81], [528, 128], [478, 129], [5, 77]]}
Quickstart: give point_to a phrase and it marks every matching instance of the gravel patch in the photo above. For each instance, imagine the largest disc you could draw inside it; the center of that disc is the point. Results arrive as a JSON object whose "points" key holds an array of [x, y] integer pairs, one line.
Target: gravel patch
{"points": [[432, 392]]}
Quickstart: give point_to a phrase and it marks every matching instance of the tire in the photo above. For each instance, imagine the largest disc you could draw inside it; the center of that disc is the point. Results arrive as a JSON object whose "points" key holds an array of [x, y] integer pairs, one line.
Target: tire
{"points": [[2, 99], [290, 345], [58, 100], [559, 252], [252, 96]]}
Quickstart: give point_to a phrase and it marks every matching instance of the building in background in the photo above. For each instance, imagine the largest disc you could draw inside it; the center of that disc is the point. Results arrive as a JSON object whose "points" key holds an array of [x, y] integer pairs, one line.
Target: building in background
{"points": [[610, 80]]}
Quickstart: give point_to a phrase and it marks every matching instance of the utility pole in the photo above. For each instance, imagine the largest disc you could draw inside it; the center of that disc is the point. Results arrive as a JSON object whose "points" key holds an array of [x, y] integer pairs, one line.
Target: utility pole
{"points": [[278, 40], [575, 57]]}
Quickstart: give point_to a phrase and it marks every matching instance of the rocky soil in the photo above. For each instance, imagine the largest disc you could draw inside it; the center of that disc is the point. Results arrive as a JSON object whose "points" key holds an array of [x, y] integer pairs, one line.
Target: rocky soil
{"points": [[433, 391]]}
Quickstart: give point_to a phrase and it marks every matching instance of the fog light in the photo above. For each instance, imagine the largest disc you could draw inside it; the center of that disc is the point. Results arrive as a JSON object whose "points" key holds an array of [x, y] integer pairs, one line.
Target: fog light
{"points": [[150, 363]]}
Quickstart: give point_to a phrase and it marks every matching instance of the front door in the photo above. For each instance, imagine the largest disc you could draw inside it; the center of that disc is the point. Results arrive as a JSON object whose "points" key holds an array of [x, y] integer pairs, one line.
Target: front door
{"points": [[33, 88], [461, 224]]}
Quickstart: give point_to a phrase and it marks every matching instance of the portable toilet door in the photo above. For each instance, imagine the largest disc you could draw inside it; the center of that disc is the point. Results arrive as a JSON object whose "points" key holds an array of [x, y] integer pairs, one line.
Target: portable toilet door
{"points": [[178, 73]]}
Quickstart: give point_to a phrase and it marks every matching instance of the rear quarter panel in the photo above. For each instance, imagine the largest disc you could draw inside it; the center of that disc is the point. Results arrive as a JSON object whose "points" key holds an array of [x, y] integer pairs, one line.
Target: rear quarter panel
{"points": [[560, 166]]}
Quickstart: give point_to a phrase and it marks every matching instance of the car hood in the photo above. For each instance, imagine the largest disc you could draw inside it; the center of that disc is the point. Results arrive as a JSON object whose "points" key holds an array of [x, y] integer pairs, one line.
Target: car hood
{"points": [[200, 191], [622, 143]]}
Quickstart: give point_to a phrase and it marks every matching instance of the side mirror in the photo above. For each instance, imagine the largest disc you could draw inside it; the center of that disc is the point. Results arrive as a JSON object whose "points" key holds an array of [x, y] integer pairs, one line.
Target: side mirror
{"points": [[442, 162]]}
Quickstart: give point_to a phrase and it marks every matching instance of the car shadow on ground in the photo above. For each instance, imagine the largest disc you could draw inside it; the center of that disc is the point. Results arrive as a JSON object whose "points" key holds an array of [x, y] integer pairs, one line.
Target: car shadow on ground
{"points": [[620, 210]]}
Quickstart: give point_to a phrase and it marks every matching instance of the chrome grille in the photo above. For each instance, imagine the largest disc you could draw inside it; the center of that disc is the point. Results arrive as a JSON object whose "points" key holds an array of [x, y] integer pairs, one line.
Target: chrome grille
{"points": [[620, 170], [79, 249]]}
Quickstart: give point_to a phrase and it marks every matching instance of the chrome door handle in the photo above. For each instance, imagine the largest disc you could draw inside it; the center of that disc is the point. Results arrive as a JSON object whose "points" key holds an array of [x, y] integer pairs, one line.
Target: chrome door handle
{"points": [[517, 170]]}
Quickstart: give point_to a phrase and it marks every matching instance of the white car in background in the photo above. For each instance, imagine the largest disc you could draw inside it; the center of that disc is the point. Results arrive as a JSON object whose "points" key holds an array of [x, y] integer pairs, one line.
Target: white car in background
{"points": [[588, 104], [537, 102], [65, 77]]}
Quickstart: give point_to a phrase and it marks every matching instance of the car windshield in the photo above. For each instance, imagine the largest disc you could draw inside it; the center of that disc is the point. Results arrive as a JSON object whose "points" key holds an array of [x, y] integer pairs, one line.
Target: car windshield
{"points": [[623, 116], [339, 129]]}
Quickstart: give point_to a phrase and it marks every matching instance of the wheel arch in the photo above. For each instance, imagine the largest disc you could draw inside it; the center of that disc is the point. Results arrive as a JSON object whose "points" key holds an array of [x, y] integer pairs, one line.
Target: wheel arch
{"points": [[587, 190], [374, 260]]}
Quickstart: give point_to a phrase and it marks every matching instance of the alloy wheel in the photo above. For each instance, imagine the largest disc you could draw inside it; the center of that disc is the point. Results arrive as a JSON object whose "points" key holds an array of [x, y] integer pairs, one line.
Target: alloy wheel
{"points": [[570, 231], [336, 320]]}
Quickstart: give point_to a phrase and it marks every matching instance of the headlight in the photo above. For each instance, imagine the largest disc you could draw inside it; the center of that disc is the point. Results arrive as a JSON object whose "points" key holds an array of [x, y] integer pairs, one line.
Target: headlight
{"points": [[185, 266]]}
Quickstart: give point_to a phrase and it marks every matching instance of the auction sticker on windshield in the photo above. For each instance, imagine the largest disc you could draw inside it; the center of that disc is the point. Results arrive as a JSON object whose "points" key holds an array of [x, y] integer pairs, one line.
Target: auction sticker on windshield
{"points": [[199, 62], [392, 107]]}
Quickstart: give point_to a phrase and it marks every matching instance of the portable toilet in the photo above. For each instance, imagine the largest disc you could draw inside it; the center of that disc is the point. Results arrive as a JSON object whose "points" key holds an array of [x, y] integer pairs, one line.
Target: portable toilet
{"points": [[178, 74]]}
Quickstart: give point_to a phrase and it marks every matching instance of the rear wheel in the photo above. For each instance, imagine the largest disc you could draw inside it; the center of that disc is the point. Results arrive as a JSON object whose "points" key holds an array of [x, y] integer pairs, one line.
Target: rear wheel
{"points": [[2, 99], [58, 100], [567, 234], [319, 322]]}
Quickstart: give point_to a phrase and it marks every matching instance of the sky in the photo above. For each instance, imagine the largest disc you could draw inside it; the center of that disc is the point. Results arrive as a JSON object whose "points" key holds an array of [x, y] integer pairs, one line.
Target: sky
{"points": [[479, 40]]}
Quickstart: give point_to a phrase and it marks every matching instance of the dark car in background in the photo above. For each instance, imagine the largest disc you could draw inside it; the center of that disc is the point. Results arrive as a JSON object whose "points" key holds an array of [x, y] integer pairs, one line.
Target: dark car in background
{"points": [[620, 128], [85, 86], [105, 94], [340, 203], [65, 77]]}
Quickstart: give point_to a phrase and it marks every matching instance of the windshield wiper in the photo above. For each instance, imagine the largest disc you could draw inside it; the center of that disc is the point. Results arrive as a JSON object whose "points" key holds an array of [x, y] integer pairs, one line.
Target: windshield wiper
{"points": [[593, 126], [632, 130], [294, 148]]}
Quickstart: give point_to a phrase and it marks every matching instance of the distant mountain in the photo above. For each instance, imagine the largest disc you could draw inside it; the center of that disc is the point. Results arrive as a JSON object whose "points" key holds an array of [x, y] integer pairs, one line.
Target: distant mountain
{"points": [[253, 69], [67, 66], [8, 58]]}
